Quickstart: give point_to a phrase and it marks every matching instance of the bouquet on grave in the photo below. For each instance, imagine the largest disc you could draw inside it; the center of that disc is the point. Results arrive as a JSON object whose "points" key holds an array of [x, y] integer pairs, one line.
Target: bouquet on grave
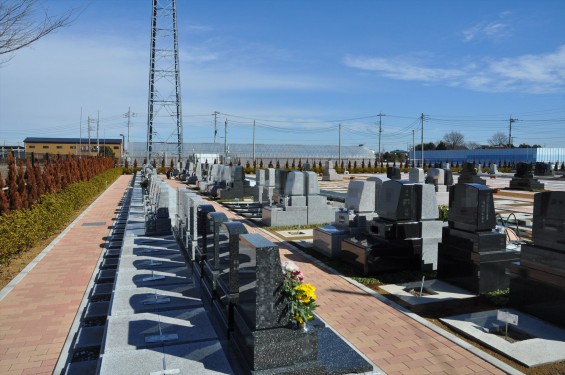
{"points": [[301, 296]]}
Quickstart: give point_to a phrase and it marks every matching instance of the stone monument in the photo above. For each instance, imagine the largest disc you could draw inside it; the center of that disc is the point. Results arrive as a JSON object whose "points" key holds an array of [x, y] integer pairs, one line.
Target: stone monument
{"points": [[472, 254], [524, 179], [301, 203], [405, 233], [468, 175], [537, 283], [329, 172]]}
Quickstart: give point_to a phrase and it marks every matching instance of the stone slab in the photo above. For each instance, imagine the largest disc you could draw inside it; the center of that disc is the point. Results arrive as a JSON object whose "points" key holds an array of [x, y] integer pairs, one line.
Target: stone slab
{"points": [[198, 358], [152, 279], [135, 332], [445, 292], [166, 297], [546, 346]]}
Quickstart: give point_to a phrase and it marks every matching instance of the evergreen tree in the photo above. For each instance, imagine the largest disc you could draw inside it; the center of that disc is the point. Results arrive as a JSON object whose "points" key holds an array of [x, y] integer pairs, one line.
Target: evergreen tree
{"points": [[4, 204]]}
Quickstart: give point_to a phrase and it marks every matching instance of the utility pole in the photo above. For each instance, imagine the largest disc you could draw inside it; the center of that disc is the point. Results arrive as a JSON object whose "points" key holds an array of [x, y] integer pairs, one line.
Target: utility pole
{"points": [[339, 147], [226, 141], [253, 142], [380, 131], [215, 125], [80, 133], [97, 137], [510, 121], [88, 128], [422, 145], [413, 146], [129, 115]]}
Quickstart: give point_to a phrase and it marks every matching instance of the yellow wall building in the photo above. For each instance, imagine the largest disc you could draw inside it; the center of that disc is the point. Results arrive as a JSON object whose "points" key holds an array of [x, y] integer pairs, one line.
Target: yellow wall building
{"points": [[73, 146]]}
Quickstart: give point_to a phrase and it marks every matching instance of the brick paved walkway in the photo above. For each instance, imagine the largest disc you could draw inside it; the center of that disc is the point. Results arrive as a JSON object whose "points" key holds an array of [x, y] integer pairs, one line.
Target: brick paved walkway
{"points": [[36, 315]]}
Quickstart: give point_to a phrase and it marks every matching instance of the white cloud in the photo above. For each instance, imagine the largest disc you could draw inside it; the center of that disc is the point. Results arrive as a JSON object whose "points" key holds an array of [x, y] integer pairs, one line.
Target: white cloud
{"points": [[399, 68], [533, 74], [494, 30]]}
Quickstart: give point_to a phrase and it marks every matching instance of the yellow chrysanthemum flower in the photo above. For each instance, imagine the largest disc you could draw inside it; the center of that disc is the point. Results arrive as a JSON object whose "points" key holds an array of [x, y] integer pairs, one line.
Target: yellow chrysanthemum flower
{"points": [[306, 292]]}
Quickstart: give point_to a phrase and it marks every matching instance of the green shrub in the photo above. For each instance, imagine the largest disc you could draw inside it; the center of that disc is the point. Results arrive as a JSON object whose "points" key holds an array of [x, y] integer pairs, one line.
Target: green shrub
{"points": [[20, 230], [498, 297], [443, 211]]}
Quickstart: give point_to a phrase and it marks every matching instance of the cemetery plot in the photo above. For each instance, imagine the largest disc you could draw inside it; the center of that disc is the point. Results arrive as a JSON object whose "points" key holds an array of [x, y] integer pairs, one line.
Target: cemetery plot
{"points": [[535, 342]]}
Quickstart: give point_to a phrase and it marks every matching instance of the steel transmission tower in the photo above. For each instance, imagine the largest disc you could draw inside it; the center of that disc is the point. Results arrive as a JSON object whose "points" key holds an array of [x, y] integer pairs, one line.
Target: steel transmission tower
{"points": [[164, 107]]}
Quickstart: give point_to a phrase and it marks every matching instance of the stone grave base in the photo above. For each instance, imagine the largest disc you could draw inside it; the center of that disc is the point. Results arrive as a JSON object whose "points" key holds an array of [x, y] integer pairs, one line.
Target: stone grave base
{"points": [[327, 240], [433, 291], [535, 342]]}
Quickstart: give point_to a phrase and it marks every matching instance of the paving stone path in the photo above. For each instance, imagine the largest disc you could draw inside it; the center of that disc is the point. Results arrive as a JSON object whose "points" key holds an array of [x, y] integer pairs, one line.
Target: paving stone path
{"points": [[37, 312]]}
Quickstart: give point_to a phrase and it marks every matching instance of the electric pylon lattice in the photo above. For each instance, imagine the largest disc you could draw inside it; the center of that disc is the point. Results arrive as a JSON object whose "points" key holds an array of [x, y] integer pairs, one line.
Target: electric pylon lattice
{"points": [[164, 116]]}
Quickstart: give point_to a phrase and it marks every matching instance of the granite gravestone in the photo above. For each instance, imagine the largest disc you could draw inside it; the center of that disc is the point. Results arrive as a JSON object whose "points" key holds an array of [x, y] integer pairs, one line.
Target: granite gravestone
{"points": [[493, 171], [270, 184], [238, 187], [524, 179], [202, 226], [157, 219], [211, 263], [436, 176], [416, 175], [329, 172], [259, 185], [226, 294], [448, 177], [403, 236], [468, 175], [543, 169], [349, 221], [472, 254], [192, 234], [301, 205], [261, 319], [537, 284], [393, 173], [280, 183]]}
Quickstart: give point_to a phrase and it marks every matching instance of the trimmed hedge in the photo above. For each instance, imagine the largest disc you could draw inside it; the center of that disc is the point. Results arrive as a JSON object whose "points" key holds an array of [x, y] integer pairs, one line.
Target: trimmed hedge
{"points": [[20, 230]]}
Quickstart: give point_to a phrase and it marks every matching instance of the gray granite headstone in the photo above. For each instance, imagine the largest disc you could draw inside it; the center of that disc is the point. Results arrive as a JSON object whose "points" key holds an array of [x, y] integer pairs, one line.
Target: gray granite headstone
{"points": [[294, 183], [416, 175], [311, 185], [436, 176], [360, 196], [379, 181]]}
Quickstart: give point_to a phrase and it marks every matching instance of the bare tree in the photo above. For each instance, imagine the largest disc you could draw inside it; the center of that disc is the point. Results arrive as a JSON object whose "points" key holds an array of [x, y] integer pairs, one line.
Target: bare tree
{"points": [[498, 139], [473, 145], [454, 140], [23, 22]]}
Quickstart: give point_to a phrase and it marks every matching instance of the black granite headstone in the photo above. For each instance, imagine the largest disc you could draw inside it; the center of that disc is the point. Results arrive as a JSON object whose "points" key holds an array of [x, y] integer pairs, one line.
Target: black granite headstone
{"points": [[549, 220], [398, 201], [473, 255], [471, 208], [524, 179], [537, 284], [543, 169], [227, 288], [393, 173], [468, 175], [448, 177]]}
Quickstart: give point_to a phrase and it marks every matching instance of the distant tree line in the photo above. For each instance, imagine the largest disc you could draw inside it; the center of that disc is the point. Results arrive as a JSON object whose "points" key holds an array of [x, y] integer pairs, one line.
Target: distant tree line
{"points": [[456, 141]]}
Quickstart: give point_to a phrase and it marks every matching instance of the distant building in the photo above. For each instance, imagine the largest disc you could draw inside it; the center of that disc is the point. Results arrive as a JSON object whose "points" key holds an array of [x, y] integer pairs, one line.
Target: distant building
{"points": [[492, 155], [244, 152], [73, 146]]}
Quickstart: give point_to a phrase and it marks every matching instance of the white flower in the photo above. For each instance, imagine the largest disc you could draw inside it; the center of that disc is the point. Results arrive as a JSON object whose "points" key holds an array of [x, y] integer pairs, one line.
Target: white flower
{"points": [[289, 266]]}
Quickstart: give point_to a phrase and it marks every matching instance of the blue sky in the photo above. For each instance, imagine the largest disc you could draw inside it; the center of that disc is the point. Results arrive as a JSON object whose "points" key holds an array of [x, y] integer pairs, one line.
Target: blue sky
{"points": [[300, 68]]}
